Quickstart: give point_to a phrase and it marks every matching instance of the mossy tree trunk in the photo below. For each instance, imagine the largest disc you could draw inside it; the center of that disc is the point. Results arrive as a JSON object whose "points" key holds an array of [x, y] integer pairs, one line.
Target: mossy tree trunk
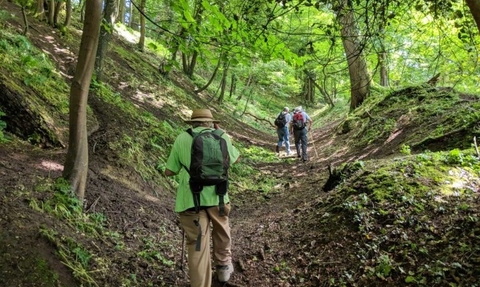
{"points": [[51, 12], [223, 82], [121, 11], [40, 10], [68, 12], [106, 31], [141, 42], [76, 163], [357, 65]]}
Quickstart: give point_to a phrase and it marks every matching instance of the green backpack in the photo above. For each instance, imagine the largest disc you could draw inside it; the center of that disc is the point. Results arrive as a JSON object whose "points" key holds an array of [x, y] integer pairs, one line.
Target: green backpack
{"points": [[209, 165]]}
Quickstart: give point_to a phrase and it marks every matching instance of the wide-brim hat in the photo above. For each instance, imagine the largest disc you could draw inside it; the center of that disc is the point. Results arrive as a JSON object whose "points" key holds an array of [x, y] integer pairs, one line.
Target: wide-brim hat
{"points": [[201, 115]]}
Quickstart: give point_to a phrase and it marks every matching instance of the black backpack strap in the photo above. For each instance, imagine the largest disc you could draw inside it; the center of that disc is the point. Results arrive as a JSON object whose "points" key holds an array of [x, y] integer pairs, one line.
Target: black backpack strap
{"points": [[198, 243], [221, 190]]}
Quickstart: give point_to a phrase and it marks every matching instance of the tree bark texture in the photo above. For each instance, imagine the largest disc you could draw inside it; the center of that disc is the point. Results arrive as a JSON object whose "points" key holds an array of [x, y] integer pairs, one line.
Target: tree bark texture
{"points": [[357, 65], [211, 78], [109, 16], [121, 11], [141, 42], [382, 61], [40, 10], [474, 6], [76, 163], [223, 82], [58, 7], [51, 12], [68, 12]]}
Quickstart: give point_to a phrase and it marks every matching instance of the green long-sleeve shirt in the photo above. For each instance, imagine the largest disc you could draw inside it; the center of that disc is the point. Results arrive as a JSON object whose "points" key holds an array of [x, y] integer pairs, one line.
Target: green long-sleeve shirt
{"points": [[181, 156]]}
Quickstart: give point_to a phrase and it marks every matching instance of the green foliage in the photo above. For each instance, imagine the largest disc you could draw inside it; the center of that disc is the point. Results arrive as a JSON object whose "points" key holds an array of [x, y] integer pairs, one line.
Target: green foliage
{"points": [[22, 60], [4, 17], [151, 251], [405, 149], [396, 199], [3, 125], [64, 204]]}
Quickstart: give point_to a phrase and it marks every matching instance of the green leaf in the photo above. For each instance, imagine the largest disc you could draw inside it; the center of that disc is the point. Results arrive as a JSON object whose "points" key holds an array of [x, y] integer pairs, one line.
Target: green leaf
{"points": [[409, 279]]}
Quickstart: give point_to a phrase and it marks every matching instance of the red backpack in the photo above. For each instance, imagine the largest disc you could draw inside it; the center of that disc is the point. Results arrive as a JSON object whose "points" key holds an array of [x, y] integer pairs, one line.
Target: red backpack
{"points": [[298, 122]]}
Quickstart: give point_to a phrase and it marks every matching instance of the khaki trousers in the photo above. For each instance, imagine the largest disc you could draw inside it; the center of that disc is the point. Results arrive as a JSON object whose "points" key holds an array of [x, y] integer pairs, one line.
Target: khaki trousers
{"points": [[199, 262]]}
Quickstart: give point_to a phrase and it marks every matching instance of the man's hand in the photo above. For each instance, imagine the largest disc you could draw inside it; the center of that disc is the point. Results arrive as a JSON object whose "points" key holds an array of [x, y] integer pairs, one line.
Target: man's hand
{"points": [[216, 126], [169, 172]]}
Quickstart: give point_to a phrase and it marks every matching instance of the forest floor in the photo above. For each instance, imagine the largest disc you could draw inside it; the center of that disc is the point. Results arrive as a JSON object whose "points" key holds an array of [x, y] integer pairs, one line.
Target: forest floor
{"points": [[133, 210]]}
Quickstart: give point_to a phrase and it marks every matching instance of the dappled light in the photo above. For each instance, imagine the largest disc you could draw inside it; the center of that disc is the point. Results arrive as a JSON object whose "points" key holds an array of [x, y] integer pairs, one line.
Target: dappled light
{"points": [[50, 165]]}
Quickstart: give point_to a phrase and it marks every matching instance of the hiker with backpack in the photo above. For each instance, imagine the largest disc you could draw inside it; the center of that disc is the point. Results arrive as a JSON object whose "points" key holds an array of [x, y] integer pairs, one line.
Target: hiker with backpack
{"points": [[201, 157], [300, 125], [281, 122]]}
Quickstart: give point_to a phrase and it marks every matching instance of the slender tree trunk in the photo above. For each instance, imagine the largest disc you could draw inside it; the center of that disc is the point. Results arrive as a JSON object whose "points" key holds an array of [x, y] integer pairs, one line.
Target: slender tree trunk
{"points": [[249, 82], [82, 11], [51, 12], [132, 17], [76, 163], [223, 83], [40, 10], [211, 78], [233, 85], [474, 6], [68, 13], [58, 7], [106, 30], [382, 60], [141, 42], [25, 21], [357, 65], [121, 13]]}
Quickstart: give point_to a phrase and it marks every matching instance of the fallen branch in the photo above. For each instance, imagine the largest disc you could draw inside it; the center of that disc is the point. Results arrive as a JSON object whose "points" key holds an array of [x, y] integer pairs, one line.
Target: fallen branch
{"points": [[264, 120]]}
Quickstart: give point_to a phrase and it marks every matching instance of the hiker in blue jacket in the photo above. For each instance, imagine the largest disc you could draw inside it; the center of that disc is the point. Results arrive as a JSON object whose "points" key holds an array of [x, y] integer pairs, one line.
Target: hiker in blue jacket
{"points": [[282, 122]]}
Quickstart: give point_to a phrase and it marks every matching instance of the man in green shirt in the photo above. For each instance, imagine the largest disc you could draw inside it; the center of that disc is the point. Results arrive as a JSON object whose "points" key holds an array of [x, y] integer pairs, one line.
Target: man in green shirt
{"points": [[199, 264]]}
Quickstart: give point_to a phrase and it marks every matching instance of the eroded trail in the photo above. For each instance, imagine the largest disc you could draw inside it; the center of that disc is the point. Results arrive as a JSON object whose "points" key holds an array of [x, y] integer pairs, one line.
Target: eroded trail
{"points": [[260, 222]]}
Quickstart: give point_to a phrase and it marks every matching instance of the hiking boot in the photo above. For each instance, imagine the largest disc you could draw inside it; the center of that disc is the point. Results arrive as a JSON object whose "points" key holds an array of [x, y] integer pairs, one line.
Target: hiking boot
{"points": [[288, 152], [224, 272], [277, 149]]}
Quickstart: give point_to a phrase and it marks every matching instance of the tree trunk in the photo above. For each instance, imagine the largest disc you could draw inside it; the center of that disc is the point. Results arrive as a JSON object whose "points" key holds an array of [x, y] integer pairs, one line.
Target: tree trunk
{"points": [[40, 10], [121, 11], [141, 42], [68, 13], [474, 6], [382, 60], [249, 81], [357, 65], [76, 163], [25, 21], [51, 12], [233, 85], [82, 11], [223, 82], [211, 78], [58, 7], [106, 30], [132, 17]]}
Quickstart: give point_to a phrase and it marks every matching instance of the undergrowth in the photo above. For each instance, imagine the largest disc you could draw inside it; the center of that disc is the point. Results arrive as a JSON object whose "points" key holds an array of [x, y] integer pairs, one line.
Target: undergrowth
{"points": [[413, 220]]}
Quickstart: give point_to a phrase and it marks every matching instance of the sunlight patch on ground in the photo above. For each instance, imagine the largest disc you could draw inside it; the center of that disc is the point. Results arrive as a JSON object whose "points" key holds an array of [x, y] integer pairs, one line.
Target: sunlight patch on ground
{"points": [[149, 98], [460, 180], [50, 165], [109, 171], [129, 36]]}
